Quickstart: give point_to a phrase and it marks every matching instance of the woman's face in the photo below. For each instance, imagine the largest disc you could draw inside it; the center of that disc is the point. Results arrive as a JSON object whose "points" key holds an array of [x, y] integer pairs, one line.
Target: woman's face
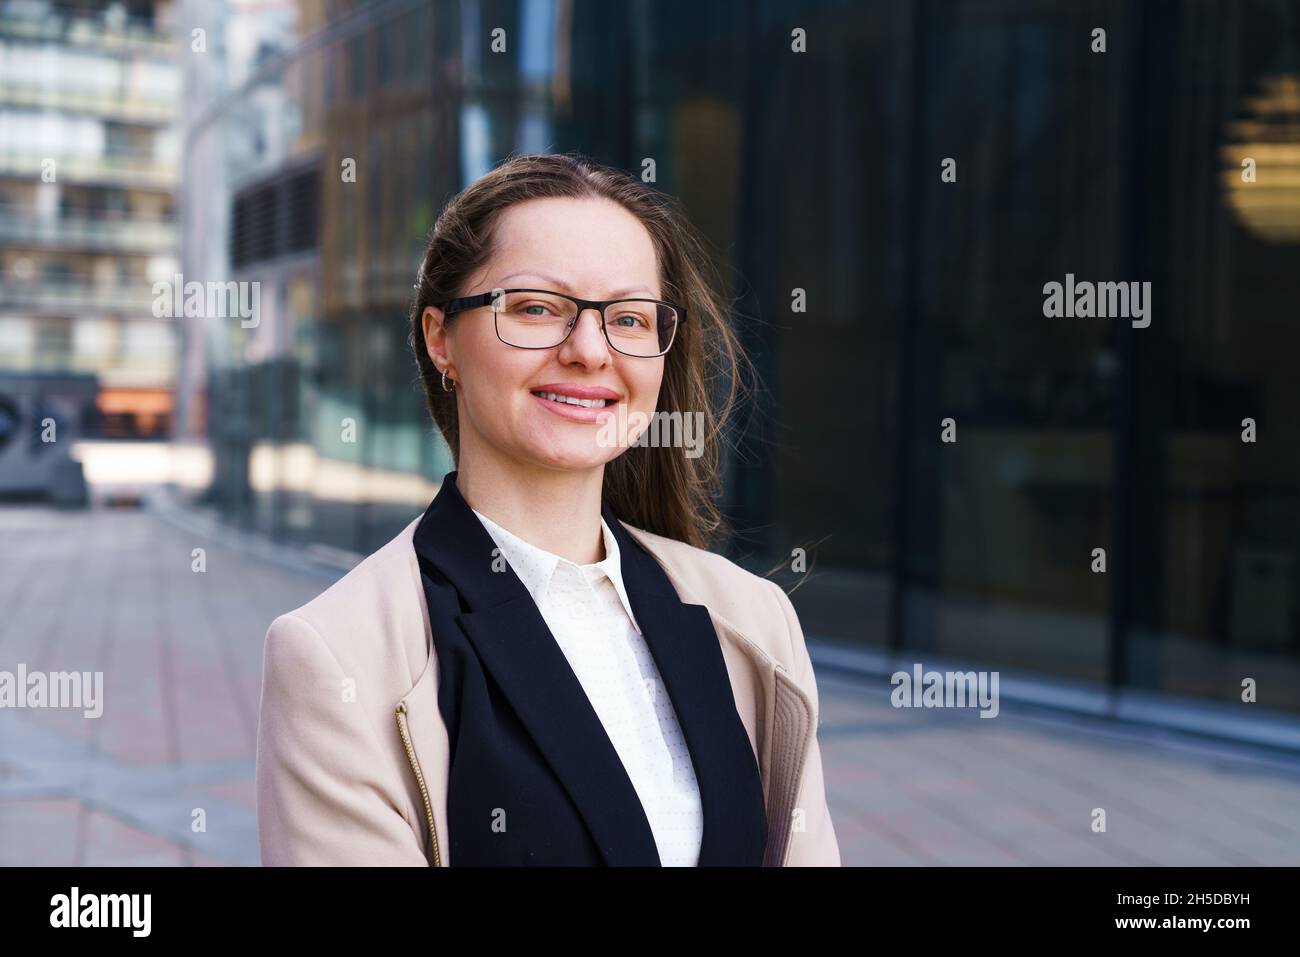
{"points": [[590, 248]]}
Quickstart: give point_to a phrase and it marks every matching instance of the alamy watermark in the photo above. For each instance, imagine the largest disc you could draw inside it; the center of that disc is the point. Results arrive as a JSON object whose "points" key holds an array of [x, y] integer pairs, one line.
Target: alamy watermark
{"points": [[675, 430], [54, 689], [129, 911], [946, 689], [1105, 300], [207, 300]]}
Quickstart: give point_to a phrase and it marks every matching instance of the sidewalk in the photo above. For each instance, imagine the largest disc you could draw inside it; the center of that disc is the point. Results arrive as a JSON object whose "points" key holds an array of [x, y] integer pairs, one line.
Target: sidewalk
{"points": [[113, 590]]}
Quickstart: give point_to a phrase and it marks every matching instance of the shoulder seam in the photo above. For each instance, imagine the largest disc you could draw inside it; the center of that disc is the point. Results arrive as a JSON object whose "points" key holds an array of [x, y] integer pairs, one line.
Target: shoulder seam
{"points": [[781, 599]]}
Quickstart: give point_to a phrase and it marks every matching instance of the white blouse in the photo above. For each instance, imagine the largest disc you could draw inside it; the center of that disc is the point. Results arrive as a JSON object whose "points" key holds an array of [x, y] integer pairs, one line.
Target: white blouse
{"points": [[588, 612]]}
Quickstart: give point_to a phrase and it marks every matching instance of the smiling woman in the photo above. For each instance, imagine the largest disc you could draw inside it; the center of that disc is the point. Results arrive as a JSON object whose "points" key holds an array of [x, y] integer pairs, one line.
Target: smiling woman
{"points": [[574, 678], [562, 229]]}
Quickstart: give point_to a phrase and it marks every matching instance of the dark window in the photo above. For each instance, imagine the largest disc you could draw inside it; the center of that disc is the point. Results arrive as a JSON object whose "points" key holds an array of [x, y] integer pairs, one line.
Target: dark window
{"points": [[273, 219]]}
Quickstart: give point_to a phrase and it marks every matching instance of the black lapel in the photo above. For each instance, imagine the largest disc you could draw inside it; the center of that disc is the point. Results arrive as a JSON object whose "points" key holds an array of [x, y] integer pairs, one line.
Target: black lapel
{"points": [[516, 646], [685, 646]]}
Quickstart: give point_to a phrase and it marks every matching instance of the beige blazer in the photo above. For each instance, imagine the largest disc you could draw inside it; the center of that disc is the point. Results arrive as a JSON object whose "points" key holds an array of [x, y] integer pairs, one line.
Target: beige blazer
{"points": [[352, 756]]}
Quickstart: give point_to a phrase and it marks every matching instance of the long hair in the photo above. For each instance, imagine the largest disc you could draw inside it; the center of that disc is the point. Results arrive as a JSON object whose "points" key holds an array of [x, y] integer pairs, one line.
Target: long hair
{"points": [[651, 488]]}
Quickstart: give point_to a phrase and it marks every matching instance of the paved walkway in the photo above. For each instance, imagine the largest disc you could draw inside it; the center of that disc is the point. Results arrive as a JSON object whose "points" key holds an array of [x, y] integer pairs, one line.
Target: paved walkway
{"points": [[916, 786], [113, 591]]}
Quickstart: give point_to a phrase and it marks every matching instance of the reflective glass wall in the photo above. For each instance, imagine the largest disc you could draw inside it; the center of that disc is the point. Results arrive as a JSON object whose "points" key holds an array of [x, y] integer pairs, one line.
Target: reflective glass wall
{"points": [[889, 203]]}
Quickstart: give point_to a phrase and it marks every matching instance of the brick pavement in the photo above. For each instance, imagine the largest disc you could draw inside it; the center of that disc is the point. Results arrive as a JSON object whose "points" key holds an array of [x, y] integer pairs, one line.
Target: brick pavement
{"points": [[113, 590]]}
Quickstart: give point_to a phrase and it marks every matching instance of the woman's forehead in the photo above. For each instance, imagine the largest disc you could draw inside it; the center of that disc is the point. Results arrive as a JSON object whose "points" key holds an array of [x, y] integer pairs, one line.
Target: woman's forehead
{"points": [[584, 244]]}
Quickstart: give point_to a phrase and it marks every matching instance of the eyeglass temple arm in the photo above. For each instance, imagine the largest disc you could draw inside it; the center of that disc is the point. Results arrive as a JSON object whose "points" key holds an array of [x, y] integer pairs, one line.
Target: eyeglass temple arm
{"points": [[467, 302]]}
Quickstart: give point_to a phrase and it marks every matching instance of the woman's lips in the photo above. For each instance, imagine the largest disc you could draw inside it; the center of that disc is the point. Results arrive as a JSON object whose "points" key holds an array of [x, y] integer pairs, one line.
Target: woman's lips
{"points": [[575, 413]]}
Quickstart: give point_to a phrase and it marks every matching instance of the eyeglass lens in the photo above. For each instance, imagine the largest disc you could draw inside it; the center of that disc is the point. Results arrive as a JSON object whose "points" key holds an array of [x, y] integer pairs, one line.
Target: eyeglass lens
{"points": [[538, 320]]}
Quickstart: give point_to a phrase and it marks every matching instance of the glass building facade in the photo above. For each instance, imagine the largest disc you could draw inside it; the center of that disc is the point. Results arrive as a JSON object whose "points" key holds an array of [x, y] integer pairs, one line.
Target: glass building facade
{"points": [[923, 281]]}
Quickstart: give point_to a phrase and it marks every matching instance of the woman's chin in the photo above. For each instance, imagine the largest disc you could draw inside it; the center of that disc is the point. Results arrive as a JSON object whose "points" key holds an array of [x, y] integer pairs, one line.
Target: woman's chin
{"points": [[574, 458]]}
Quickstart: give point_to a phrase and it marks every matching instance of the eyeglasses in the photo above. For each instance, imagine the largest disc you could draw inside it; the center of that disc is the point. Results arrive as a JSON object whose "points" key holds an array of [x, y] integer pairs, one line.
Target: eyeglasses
{"points": [[542, 319]]}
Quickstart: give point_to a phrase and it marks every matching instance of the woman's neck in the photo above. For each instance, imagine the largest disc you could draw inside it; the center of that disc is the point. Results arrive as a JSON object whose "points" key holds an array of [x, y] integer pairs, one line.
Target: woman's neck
{"points": [[556, 510]]}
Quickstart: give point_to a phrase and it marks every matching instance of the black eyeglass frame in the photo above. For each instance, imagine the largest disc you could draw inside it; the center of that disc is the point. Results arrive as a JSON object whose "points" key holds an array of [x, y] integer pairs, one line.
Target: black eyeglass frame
{"points": [[466, 303]]}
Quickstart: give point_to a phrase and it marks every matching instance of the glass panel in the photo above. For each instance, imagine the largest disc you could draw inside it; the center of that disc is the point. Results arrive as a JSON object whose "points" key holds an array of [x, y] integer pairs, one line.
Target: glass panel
{"points": [[941, 467]]}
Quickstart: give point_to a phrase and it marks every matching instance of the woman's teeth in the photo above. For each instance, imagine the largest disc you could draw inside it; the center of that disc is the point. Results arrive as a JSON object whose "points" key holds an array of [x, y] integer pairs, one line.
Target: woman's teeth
{"points": [[570, 400]]}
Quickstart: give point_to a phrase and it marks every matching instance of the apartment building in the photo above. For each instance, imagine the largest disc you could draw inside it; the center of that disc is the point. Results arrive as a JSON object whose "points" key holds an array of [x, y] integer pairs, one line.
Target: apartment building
{"points": [[89, 97]]}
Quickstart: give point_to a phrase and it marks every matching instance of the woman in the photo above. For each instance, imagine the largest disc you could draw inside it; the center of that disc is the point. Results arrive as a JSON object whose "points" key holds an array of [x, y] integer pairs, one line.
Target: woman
{"points": [[548, 667]]}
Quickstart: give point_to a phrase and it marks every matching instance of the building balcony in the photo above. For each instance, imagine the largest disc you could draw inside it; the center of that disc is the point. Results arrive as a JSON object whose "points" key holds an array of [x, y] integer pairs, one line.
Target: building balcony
{"points": [[127, 36], [128, 234], [141, 107], [146, 172], [66, 298]]}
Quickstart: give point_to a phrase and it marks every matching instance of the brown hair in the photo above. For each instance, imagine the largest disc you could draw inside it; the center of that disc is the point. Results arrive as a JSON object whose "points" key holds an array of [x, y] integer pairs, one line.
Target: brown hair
{"points": [[668, 494]]}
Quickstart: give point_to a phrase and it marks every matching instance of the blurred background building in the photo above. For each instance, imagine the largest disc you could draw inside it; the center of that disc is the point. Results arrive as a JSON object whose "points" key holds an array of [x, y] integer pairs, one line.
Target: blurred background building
{"points": [[89, 94], [818, 171]]}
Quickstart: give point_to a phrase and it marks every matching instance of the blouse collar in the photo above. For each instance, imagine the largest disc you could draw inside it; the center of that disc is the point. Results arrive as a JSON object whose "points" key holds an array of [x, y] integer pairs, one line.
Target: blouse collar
{"points": [[535, 567]]}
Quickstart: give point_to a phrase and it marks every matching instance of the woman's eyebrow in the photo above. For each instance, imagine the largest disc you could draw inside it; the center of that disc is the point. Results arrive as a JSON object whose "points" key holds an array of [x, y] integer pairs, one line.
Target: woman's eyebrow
{"points": [[561, 286]]}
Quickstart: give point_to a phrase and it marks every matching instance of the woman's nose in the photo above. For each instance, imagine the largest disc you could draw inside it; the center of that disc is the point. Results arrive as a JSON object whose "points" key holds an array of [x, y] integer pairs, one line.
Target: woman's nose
{"points": [[588, 339]]}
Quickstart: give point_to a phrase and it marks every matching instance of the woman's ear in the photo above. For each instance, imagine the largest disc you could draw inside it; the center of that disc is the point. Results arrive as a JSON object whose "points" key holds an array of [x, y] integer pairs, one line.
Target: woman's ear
{"points": [[435, 335]]}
